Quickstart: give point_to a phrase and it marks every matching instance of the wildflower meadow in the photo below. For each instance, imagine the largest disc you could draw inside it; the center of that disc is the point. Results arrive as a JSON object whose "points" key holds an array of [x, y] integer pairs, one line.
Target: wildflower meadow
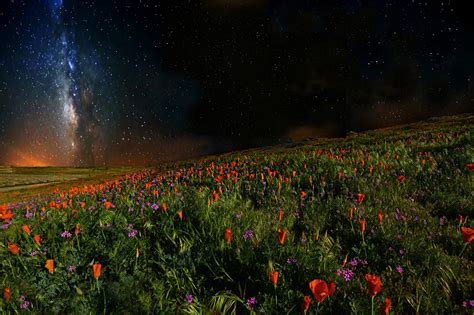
{"points": [[377, 223]]}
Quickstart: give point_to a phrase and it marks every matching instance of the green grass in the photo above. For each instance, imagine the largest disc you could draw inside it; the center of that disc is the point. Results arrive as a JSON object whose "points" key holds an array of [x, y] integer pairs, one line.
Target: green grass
{"points": [[17, 183], [151, 259]]}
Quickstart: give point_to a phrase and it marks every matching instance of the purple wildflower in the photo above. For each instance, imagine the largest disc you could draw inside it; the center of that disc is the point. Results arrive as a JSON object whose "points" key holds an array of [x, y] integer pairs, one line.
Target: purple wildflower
{"points": [[291, 261], [24, 305], [399, 269], [364, 262], [34, 253], [347, 274], [189, 298], [354, 262], [28, 214], [155, 206], [132, 233], [248, 234], [5, 226], [72, 268], [251, 302], [66, 234]]}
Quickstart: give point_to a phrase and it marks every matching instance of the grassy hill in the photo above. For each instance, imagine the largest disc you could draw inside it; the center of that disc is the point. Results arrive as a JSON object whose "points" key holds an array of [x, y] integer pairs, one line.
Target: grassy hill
{"points": [[17, 183], [377, 221]]}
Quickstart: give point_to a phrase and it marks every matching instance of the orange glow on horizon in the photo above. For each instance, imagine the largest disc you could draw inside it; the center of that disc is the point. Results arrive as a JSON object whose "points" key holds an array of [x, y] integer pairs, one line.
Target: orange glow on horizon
{"points": [[18, 158]]}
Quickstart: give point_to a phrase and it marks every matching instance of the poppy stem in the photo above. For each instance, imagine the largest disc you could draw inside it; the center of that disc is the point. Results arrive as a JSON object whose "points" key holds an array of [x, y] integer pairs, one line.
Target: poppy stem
{"points": [[78, 245], [462, 251], [372, 306], [276, 297]]}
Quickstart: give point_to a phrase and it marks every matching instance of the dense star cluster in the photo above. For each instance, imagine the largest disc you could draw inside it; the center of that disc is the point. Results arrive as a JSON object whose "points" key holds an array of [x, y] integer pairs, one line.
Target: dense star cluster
{"points": [[139, 82]]}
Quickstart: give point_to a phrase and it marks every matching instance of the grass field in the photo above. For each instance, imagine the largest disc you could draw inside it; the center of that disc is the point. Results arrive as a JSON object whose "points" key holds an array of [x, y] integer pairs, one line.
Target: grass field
{"points": [[17, 183], [378, 222]]}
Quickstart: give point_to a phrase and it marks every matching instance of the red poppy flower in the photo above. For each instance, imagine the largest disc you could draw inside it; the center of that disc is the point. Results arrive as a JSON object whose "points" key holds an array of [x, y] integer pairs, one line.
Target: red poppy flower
{"points": [[13, 248], [374, 284], [362, 225], [228, 235], [281, 236], [96, 269], [6, 216], [280, 215], [26, 229], [49, 265], [379, 216], [37, 239], [401, 178], [320, 289], [273, 277], [467, 234], [6, 294], [360, 197]]}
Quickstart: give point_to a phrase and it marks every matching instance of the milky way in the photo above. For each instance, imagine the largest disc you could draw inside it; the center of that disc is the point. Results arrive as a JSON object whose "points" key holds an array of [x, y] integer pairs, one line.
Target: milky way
{"points": [[57, 121], [73, 92]]}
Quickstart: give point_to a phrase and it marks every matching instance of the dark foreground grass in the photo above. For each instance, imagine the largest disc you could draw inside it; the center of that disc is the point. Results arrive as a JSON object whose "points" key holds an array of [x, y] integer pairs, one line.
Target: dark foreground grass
{"points": [[378, 217]]}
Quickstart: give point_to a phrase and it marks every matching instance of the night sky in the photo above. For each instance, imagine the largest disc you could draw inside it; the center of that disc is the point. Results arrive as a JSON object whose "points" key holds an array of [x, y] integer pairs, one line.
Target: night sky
{"points": [[112, 82]]}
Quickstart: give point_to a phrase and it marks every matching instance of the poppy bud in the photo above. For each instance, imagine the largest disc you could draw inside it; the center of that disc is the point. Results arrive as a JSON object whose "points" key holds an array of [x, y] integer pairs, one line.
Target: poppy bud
{"points": [[96, 269], [228, 235], [6, 294], [273, 277], [362, 225], [306, 303]]}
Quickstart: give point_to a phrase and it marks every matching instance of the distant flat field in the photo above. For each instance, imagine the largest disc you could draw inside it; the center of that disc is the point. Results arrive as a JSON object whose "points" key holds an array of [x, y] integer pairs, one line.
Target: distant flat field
{"points": [[17, 183]]}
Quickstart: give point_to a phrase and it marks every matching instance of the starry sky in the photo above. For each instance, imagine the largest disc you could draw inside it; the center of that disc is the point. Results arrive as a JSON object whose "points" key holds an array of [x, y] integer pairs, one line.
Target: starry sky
{"points": [[138, 82]]}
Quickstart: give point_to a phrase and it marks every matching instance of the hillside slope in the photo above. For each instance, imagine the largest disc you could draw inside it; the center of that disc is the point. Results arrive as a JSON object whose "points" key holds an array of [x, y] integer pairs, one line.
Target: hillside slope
{"points": [[379, 221]]}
